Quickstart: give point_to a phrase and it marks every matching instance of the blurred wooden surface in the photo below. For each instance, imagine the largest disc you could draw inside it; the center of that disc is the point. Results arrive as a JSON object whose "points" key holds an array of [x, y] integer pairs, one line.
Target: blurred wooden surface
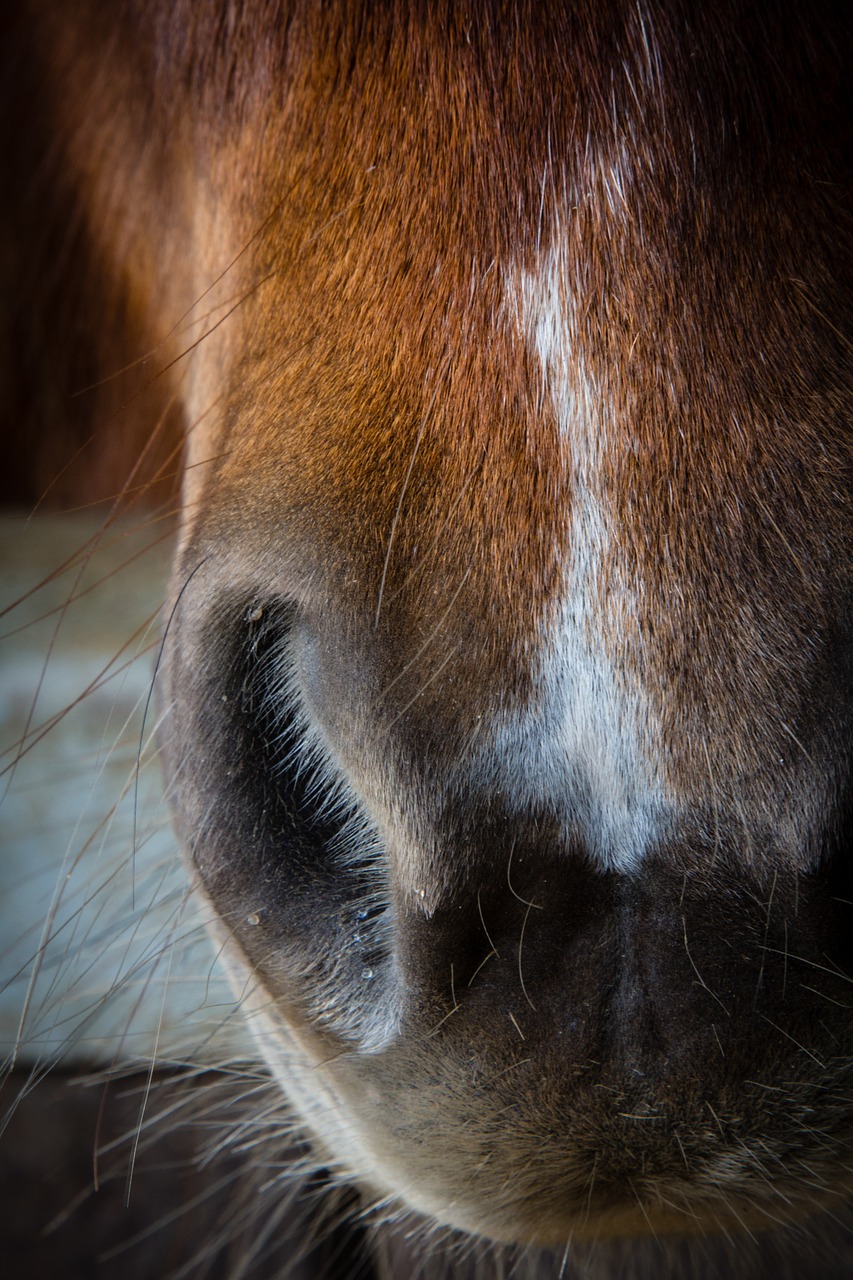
{"points": [[103, 957], [163, 1213]]}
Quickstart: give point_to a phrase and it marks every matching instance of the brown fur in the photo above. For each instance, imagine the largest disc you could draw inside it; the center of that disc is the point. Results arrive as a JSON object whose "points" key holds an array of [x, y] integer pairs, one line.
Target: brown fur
{"points": [[313, 218]]}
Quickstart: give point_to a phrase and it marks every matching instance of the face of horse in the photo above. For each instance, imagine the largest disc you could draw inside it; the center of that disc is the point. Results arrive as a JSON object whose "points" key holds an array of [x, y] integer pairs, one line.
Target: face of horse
{"points": [[509, 671]]}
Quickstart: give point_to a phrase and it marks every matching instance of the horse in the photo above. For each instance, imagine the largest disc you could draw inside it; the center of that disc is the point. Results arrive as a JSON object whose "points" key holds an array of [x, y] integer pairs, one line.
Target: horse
{"points": [[505, 691]]}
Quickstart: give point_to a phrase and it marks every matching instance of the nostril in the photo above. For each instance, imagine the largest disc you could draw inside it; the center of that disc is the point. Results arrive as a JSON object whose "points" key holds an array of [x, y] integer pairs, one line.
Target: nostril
{"points": [[284, 773], [286, 768], [281, 839], [835, 877]]}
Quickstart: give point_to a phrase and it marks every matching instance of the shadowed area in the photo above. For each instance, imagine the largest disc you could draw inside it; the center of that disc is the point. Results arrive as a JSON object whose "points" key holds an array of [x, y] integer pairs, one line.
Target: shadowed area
{"points": [[179, 1214]]}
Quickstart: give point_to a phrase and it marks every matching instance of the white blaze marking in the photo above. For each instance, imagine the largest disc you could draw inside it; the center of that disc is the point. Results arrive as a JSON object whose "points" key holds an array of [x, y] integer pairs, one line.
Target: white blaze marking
{"points": [[587, 746]]}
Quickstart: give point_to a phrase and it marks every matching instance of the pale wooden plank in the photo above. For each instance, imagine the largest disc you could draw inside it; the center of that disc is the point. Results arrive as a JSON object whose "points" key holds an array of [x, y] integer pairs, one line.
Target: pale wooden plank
{"points": [[121, 970]]}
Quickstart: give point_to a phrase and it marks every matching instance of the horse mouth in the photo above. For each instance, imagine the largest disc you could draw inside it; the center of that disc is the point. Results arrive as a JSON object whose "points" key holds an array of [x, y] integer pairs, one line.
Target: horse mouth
{"points": [[601, 1052]]}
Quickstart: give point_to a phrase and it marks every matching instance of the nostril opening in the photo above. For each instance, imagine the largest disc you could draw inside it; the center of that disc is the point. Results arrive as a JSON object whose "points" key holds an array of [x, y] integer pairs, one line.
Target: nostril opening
{"points": [[285, 841], [277, 757], [287, 772], [837, 875]]}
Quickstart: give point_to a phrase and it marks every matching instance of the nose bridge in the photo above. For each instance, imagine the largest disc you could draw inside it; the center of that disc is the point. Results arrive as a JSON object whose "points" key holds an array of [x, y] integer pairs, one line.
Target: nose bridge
{"points": [[573, 737]]}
